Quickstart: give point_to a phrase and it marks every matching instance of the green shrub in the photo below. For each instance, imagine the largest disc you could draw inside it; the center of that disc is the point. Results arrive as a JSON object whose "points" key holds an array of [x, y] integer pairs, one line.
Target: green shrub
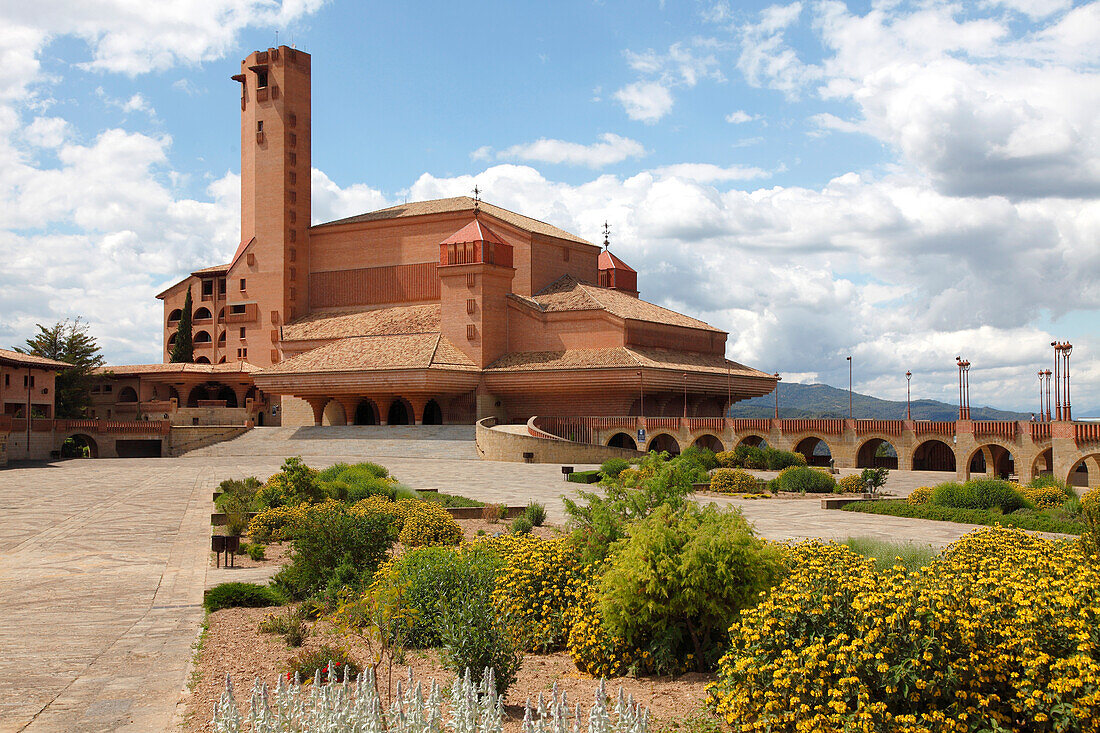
{"points": [[450, 500], [493, 513], [337, 490], [326, 660], [612, 467], [851, 484], [521, 525], [535, 513], [678, 582], [256, 552], [424, 578], [979, 494], [888, 554], [1090, 513], [401, 491], [289, 624], [1044, 480], [727, 459], [332, 472], [704, 457], [1035, 521], [334, 549], [749, 456], [598, 520], [776, 460], [243, 489], [239, 595], [919, 495], [296, 483], [236, 509], [584, 477], [473, 633], [876, 477], [802, 479], [734, 481]]}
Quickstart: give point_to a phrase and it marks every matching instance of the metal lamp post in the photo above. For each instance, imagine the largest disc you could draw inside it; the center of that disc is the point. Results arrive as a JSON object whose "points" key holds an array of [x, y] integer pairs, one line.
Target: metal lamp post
{"points": [[1040, 395], [1067, 349], [908, 403], [1057, 381], [685, 396], [778, 379], [849, 387]]}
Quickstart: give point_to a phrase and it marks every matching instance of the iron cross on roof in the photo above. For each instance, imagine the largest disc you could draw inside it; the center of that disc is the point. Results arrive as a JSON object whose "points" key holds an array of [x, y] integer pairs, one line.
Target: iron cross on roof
{"points": [[477, 200], [606, 235]]}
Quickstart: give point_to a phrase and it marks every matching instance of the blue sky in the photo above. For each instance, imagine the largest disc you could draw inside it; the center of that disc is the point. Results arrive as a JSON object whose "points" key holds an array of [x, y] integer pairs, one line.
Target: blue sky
{"points": [[899, 181]]}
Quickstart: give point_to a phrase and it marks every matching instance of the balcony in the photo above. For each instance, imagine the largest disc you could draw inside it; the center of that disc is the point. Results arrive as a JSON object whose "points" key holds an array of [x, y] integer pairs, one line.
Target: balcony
{"points": [[470, 253]]}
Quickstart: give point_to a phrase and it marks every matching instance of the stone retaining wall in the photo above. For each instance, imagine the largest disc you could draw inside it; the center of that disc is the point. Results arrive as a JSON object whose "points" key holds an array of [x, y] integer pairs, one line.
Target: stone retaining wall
{"points": [[188, 438], [497, 445]]}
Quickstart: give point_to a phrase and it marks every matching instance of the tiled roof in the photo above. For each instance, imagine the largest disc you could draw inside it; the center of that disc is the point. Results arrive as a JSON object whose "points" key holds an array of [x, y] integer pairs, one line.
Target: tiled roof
{"points": [[378, 322], [14, 358], [475, 231], [569, 294], [215, 270], [372, 353], [608, 261], [236, 367], [620, 357], [461, 203]]}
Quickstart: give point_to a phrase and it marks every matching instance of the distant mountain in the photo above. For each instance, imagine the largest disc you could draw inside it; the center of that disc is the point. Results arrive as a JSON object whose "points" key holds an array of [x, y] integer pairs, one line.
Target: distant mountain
{"points": [[821, 400]]}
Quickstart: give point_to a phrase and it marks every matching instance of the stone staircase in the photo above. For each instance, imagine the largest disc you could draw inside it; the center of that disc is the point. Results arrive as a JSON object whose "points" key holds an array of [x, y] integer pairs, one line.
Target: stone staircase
{"points": [[399, 441]]}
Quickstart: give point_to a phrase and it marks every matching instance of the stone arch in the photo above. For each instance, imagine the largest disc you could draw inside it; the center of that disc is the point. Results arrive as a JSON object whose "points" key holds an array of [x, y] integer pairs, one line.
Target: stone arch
{"points": [[991, 458], [622, 440], [172, 339], [753, 441], [710, 441], [810, 446], [127, 394], [400, 412], [221, 339], [867, 455], [202, 360], [366, 413], [433, 413], [334, 414], [1085, 471], [1043, 463], [202, 337], [664, 442], [227, 394], [221, 316], [74, 446], [933, 455], [175, 316], [203, 313]]}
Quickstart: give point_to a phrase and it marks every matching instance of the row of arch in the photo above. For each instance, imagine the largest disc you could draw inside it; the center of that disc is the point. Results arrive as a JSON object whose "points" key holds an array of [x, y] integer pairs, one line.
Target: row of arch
{"points": [[399, 411], [201, 313], [930, 455], [201, 392]]}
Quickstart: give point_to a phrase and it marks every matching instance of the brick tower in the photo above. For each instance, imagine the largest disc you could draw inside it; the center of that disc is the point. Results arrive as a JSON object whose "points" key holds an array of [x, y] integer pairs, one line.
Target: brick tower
{"points": [[271, 266]]}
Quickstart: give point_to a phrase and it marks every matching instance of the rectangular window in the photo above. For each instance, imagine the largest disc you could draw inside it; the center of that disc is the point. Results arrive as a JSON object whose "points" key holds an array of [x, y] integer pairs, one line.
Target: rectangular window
{"points": [[293, 178], [293, 140], [293, 196], [108, 388], [243, 284], [243, 329], [292, 121], [237, 310], [7, 381], [471, 279], [470, 305], [293, 216], [294, 159], [207, 287], [293, 252], [293, 274], [293, 238], [471, 332], [244, 353], [565, 254], [261, 79], [259, 126]]}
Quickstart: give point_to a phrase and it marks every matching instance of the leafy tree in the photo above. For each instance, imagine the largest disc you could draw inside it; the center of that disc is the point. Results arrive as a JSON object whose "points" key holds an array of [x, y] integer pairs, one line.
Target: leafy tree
{"points": [[70, 342], [184, 348]]}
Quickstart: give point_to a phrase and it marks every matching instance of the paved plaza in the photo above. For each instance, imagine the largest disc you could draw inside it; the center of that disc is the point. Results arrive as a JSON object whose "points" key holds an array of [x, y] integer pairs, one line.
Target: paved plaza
{"points": [[103, 563]]}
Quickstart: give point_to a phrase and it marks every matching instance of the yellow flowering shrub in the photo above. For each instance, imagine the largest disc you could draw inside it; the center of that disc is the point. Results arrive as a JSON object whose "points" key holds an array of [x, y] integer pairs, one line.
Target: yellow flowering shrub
{"points": [[1090, 510], [919, 495], [376, 504], [727, 459], [629, 477], [851, 484], [595, 651], [426, 523], [733, 481], [1043, 497], [999, 632], [536, 589], [277, 523]]}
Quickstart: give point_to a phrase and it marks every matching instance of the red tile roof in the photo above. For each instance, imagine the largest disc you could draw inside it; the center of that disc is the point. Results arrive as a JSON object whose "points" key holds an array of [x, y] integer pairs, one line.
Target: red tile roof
{"points": [[376, 322], [620, 357], [376, 353], [608, 261], [475, 231], [14, 358], [236, 367]]}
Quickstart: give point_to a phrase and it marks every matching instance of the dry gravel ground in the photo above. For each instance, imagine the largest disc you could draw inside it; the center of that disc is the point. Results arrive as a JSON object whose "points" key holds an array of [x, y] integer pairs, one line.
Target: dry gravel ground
{"points": [[233, 644]]}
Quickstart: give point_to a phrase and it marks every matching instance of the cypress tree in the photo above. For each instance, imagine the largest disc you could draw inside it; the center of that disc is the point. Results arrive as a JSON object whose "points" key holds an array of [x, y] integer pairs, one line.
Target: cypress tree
{"points": [[184, 348]]}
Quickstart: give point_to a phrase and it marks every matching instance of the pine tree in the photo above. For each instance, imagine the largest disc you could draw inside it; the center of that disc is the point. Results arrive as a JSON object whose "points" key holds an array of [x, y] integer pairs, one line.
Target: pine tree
{"points": [[68, 341], [184, 348]]}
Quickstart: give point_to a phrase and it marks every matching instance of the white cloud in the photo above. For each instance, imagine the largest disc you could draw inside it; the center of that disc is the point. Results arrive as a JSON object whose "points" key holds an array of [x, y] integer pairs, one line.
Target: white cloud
{"points": [[710, 173], [46, 132], [739, 117], [645, 101], [683, 65], [766, 59], [611, 149], [1031, 8]]}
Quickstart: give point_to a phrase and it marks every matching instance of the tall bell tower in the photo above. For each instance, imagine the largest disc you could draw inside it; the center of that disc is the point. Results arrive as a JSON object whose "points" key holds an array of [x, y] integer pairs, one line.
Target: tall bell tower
{"points": [[271, 266]]}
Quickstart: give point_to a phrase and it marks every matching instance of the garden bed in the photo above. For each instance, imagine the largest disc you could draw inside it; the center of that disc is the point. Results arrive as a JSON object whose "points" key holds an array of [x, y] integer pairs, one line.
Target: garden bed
{"points": [[232, 644], [1024, 519]]}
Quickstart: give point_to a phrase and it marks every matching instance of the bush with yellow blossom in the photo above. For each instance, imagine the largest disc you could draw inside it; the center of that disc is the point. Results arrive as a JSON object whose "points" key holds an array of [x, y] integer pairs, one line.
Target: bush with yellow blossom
{"points": [[851, 484], [734, 481], [536, 589], [426, 523], [919, 495], [999, 632]]}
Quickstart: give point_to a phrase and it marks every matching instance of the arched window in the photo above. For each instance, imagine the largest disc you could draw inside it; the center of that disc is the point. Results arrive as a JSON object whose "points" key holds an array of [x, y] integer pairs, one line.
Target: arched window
{"points": [[202, 337], [175, 316], [203, 314]]}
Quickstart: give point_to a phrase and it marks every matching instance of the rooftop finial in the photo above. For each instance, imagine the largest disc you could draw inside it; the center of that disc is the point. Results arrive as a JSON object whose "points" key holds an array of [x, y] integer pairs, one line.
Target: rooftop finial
{"points": [[477, 200], [606, 235]]}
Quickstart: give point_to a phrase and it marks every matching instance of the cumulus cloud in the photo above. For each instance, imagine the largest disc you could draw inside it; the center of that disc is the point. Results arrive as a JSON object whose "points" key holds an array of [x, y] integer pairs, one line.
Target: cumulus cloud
{"points": [[611, 149], [980, 106], [740, 116], [682, 65]]}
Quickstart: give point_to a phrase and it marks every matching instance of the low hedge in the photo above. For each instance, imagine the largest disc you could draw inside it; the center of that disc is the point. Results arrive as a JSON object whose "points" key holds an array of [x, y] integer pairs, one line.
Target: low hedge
{"points": [[584, 477], [1024, 519], [240, 595]]}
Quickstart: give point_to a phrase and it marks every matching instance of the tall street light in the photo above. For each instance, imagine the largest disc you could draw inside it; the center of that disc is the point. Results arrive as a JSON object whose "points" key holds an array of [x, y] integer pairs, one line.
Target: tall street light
{"points": [[1047, 375], [908, 404], [1040, 395], [1067, 349], [778, 379], [849, 387], [1057, 381]]}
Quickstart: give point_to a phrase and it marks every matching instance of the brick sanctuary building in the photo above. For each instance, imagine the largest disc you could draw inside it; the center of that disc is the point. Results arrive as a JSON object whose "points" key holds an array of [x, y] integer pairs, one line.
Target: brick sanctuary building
{"points": [[440, 311]]}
